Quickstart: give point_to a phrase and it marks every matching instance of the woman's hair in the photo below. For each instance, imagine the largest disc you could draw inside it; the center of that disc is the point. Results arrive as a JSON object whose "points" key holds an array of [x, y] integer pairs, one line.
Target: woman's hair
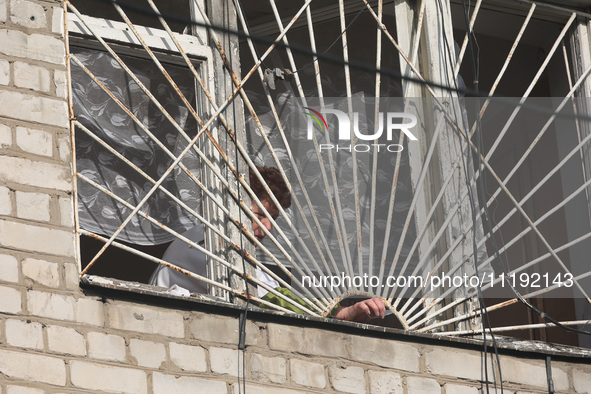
{"points": [[277, 185]]}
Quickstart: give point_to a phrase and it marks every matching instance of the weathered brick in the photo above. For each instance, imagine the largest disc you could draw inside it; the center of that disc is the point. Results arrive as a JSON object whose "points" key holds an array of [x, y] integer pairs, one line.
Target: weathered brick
{"points": [[532, 373], [25, 334], [3, 13], [225, 361], [259, 389], [53, 306], [72, 277], [458, 363], [4, 67], [38, 142], [23, 390], [60, 82], [165, 384], [8, 268], [33, 108], [582, 379], [5, 201], [57, 21], [108, 378], [33, 367], [105, 346], [188, 358], [268, 369], [66, 211], [66, 340], [385, 353], [35, 173], [457, 389], [63, 147], [147, 354], [10, 300], [36, 239], [222, 329], [40, 271], [384, 382], [29, 76], [131, 317], [89, 311], [348, 379], [307, 341], [306, 373], [416, 384], [28, 14], [32, 206], [34, 47]]}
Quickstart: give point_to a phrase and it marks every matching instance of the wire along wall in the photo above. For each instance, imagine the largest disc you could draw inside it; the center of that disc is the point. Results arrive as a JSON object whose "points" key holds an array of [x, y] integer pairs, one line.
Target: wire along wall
{"points": [[404, 165]]}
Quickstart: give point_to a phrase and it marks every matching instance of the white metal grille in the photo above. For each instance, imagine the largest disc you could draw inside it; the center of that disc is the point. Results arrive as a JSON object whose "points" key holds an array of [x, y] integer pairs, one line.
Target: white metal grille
{"points": [[428, 226]]}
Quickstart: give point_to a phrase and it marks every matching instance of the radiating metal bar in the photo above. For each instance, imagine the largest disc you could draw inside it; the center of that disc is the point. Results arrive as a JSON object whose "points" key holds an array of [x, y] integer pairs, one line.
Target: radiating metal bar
{"points": [[287, 146], [374, 171], [505, 65], [192, 244], [209, 281], [466, 39], [245, 154], [531, 87], [413, 59]]}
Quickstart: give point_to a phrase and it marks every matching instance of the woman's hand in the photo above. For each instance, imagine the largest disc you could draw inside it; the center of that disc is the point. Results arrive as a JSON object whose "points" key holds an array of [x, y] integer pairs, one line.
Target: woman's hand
{"points": [[363, 311]]}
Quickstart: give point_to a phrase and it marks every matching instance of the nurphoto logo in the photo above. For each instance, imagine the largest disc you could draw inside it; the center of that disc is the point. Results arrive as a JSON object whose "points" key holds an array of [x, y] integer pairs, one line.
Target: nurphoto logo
{"points": [[390, 123]]}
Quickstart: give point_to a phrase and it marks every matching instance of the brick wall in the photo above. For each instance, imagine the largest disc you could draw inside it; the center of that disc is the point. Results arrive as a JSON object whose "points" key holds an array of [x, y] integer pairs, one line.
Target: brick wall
{"points": [[57, 338]]}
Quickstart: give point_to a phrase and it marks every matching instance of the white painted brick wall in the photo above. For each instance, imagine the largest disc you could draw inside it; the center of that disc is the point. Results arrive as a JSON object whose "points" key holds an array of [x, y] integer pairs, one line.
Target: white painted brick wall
{"points": [[348, 379], [35, 173], [66, 211], [385, 382], [60, 83], [25, 334], [306, 373], [385, 353], [65, 340], [33, 367], [5, 201], [32, 108], [457, 389], [147, 354], [46, 240], [33, 206], [222, 329], [57, 21], [451, 362], [50, 305], [416, 384], [92, 376], [188, 358], [3, 13], [8, 268], [166, 384], [10, 300], [268, 369], [32, 77], [28, 14], [32, 46], [582, 380], [4, 71], [64, 147], [106, 346], [89, 311], [307, 341], [133, 317], [23, 390], [225, 361], [41, 271], [73, 282], [38, 142]]}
